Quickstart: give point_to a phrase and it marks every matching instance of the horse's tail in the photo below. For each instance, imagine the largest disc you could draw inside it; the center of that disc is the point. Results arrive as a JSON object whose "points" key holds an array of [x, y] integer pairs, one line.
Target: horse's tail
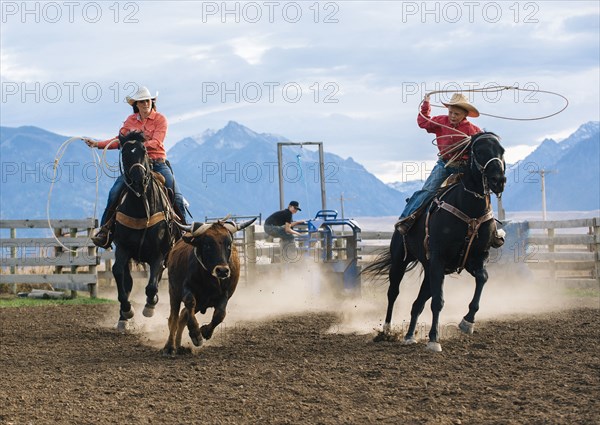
{"points": [[380, 267]]}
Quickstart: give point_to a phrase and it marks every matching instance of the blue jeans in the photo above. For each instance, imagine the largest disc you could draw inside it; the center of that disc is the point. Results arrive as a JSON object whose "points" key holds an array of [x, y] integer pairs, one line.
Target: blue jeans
{"points": [[119, 184], [278, 232], [432, 184]]}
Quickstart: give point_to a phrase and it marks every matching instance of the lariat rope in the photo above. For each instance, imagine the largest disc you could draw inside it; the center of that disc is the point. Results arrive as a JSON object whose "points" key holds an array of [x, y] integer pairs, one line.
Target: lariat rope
{"points": [[98, 162], [462, 145]]}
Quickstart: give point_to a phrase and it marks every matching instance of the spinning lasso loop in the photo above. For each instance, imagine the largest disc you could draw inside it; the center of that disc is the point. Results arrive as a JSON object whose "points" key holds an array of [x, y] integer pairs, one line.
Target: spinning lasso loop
{"points": [[98, 166], [462, 145]]}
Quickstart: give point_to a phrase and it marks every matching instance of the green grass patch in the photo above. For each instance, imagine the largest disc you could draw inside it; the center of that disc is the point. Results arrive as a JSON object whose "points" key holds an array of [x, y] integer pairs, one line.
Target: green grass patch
{"points": [[31, 302], [583, 292]]}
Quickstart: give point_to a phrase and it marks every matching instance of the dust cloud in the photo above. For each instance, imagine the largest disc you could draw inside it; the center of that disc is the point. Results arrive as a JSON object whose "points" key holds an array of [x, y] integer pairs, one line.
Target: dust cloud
{"points": [[309, 287]]}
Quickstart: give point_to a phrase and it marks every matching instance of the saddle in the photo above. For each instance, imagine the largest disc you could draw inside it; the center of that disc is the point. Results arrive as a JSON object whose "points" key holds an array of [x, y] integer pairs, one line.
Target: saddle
{"points": [[451, 181], [168, 200], [473, 224]]}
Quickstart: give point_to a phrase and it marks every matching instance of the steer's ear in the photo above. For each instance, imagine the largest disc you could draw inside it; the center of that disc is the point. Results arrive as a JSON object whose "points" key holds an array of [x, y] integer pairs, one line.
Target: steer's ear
{"points": [[187, 238]]}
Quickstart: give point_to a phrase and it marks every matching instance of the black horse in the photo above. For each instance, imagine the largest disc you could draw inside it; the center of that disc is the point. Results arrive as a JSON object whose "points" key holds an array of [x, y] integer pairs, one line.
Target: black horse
{"points": [[144, 229], [455, 232]]}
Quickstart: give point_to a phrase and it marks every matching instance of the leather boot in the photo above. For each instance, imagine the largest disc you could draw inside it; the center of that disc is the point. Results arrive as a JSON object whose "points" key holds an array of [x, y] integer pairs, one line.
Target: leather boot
{"points": [[103, 239], [497, 236]]}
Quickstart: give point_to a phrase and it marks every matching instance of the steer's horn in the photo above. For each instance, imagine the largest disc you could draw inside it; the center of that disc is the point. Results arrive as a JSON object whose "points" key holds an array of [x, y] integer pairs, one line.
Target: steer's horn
{"points": [[199, 228], [232, 227], [184, 227]]}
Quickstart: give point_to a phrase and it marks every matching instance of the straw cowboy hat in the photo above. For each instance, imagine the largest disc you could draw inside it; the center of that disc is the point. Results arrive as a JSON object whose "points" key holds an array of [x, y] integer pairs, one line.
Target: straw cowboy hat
{"points": [[142, 94], [459, 99]]}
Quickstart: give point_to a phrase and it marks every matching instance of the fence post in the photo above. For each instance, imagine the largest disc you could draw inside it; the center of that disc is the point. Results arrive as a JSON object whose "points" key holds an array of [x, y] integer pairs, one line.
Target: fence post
{"points": [[92, 269], [551, 248], [596, 249], [13, 254], [251, 260], [72, 254], [58, 250]]}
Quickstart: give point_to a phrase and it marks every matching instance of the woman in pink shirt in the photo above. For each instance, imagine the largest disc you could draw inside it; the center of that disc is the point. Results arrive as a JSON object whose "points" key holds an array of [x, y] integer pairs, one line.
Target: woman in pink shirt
{"points": [[146, 119], [450, 130]]}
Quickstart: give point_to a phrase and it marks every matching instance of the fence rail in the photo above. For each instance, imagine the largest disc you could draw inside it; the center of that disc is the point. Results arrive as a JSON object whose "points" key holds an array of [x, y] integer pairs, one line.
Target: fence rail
{"points": [[34, 255], [572, 257]]}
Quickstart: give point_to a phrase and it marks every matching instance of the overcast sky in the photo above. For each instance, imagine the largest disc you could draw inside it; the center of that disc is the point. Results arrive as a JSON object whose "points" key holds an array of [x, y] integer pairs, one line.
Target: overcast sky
{"points": [[348, 73]]}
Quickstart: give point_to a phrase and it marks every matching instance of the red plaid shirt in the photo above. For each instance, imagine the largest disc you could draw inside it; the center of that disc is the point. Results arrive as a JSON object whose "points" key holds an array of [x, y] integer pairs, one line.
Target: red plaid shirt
{"points": [[451, 137]]}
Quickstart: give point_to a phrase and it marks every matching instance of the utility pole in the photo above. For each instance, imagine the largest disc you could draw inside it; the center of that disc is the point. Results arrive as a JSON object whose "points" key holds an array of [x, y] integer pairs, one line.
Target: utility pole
{"points": [[542, 174]]}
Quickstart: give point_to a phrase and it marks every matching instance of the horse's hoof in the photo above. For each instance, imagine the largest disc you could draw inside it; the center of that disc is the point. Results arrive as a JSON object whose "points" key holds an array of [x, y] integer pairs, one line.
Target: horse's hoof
{"points": [[466, 327], [197, 341], [123, 326], [409, 341], [434, 346], [128, 314], [168, 352], [387, 327], [148, 310]]}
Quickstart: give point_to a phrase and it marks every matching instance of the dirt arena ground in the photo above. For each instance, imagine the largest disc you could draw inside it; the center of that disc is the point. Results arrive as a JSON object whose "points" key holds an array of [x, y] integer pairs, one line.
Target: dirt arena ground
{"points": [[68, 365]]}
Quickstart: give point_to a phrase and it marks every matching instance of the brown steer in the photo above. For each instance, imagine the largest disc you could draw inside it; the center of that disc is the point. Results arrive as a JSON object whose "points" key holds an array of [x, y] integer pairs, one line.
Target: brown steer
{"points": [[204, 269]]}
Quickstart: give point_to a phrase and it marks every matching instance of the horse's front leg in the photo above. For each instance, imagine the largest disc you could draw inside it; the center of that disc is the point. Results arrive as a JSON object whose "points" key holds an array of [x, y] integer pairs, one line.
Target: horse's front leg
{"points": [[124, 281], [156, 270], [417, 309], [436, 284], [468, 322]]}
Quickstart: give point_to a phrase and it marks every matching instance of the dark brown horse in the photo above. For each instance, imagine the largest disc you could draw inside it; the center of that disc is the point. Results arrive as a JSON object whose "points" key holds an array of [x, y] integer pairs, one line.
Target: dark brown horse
{"points": [[455, 233], [143, 231]]}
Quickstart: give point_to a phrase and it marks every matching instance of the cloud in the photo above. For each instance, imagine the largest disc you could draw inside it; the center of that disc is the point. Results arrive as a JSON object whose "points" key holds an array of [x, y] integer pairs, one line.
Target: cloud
{"points": [[362, 67]]}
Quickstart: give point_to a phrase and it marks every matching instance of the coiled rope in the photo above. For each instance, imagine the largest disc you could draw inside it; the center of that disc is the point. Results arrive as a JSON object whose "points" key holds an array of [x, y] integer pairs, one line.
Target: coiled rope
{"points": [[461, 146], [98, 162]]}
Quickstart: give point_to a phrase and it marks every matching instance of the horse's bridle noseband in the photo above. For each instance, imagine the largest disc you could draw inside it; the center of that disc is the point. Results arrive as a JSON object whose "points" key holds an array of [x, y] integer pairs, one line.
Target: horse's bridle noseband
{"points": [[481, 168], [145, 169]]}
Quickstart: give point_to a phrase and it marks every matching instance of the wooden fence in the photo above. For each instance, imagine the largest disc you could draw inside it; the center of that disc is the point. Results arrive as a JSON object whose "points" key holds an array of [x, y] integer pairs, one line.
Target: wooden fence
{"points": [[566, 251], [39, 260]]}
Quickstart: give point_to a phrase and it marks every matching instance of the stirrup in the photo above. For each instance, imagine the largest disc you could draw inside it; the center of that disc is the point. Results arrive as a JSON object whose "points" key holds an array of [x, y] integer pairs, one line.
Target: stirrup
{"points": [[102, 239], [498, 238]]}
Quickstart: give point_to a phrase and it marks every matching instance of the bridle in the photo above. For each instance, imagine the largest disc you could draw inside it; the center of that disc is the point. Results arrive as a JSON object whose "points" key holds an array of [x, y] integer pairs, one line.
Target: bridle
{"points": [[481, 168], [145, 166]]}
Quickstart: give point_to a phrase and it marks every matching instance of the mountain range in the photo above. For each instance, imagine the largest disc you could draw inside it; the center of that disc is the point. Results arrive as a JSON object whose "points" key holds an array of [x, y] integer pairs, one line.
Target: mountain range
{"points": [[234, 170], [230, 171]]}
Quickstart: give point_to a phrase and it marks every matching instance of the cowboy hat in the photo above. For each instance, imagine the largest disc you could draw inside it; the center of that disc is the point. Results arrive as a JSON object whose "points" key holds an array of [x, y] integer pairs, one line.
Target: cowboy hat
{"points": [[142, 94], [459, 100]]}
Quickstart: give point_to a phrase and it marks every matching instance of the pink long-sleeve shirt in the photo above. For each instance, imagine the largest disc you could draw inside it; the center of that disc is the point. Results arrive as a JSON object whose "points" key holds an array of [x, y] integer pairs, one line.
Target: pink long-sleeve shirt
{"points": [[154, 128]]}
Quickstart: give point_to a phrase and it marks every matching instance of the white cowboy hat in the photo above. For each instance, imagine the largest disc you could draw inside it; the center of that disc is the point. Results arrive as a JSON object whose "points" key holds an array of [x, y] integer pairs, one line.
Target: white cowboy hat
{"points": [[142, 94], [459, 99]]}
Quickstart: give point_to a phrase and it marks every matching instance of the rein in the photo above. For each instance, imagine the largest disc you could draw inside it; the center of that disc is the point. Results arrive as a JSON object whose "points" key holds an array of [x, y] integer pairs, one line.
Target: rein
{"points": [[473, 225]]}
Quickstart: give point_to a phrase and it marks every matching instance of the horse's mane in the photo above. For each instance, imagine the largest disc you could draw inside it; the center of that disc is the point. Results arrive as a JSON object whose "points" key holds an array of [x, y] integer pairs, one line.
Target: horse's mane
{"points": [[134, 135]]}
